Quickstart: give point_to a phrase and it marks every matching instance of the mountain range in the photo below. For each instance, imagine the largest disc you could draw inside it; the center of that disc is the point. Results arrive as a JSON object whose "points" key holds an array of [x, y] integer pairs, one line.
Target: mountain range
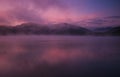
{"points": [[56, 29]]}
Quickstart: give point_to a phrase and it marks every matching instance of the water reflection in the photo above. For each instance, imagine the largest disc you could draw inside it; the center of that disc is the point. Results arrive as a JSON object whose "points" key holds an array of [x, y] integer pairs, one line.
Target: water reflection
{"points": [[59, 57]]}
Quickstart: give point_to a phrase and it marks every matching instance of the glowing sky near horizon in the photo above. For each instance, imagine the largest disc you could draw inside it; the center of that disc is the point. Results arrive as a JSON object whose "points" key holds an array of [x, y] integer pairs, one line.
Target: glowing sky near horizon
{"points": [[15, 12]]}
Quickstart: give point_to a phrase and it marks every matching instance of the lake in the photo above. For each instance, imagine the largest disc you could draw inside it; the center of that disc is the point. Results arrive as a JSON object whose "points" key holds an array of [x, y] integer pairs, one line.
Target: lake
{"points": [[59, 56]]}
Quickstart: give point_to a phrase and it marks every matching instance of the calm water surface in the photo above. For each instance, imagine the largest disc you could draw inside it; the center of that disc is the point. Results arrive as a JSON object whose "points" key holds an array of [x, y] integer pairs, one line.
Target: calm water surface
{"points": [[59, 56]]}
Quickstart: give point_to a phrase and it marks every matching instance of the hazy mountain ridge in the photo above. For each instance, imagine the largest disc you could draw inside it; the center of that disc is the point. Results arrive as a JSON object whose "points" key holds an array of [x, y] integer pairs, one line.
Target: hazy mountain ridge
{"points": [[56, 29], [114, 31]]}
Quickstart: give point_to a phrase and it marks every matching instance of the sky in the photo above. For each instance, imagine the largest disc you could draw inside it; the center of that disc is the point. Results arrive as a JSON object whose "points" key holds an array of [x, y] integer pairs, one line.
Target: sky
{"points": [[14, 12]]}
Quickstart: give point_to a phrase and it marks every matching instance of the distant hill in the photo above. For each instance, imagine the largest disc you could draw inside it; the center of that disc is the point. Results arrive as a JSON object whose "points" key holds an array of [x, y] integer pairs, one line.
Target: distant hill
{"points": [[107, 31], [69, 29], [5, 30], [114, 31], [37, 29], [102, 29], [56, 29]]}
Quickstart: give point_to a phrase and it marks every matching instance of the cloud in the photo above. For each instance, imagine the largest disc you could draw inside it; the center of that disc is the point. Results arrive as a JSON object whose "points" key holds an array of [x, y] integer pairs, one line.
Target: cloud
{"points": [[25, 15], [101, 22], [97, 21], [113, 17], [43, 11], [18, 11], [3, 20]]}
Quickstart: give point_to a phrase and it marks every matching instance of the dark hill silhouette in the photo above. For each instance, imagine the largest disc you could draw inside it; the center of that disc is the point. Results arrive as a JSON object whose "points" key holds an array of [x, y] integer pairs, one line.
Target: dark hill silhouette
{"points": [[6, 30], [55, 29], [65, 28], [114, 31]]}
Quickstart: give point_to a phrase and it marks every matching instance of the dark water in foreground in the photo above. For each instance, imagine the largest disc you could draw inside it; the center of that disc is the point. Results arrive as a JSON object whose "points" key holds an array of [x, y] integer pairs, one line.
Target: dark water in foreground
{"points": [[59, 56]]}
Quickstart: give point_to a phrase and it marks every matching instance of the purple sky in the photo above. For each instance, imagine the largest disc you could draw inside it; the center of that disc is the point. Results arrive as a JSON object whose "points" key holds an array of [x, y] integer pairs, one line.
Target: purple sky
{"points": [[15, 12]]}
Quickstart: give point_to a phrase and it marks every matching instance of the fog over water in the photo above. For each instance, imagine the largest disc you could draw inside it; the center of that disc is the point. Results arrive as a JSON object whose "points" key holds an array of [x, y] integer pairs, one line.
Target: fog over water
{"points": [[59, 56]]}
